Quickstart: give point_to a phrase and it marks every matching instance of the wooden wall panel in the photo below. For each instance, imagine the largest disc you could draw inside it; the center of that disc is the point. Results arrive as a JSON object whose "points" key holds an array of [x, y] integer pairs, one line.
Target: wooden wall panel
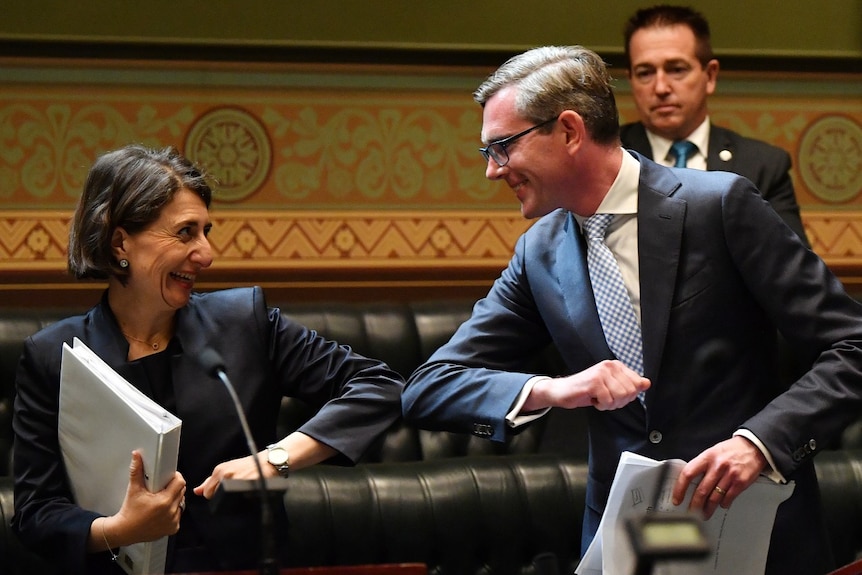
{"points": [[351, 181]]}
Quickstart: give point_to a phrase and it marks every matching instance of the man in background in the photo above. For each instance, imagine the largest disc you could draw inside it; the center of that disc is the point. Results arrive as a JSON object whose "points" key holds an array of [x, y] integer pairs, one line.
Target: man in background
{"points": [[672, 72]]}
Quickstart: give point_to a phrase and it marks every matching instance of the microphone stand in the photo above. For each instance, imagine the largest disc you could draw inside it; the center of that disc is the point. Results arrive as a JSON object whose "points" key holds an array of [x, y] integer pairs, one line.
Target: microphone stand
{"points": [[268, 558], [659, 536]]}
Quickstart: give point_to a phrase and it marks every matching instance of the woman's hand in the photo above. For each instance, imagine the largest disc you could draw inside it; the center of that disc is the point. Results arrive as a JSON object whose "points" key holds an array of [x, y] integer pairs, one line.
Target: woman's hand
{"points": [[144, 516], [304, 451], [243, 468]]}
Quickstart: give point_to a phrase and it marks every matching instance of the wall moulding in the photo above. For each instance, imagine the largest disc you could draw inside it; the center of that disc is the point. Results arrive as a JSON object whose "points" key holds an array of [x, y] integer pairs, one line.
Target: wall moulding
{"points": [[402, 251], [34, 240], [321, 241]]}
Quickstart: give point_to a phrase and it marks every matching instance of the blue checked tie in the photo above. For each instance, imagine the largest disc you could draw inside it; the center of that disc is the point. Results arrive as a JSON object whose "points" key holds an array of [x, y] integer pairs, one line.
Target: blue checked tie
{"points": [[681, 151], [622, 331]]}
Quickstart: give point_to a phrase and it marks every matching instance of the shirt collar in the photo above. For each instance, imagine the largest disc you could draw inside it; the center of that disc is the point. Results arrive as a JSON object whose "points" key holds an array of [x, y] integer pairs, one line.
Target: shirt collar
{"points": [[622, 197], [661, 146]]}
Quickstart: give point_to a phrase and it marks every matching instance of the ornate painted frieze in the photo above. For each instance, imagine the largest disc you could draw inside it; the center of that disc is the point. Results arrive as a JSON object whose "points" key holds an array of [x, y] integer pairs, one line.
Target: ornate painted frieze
{"points": [[357, 171]]}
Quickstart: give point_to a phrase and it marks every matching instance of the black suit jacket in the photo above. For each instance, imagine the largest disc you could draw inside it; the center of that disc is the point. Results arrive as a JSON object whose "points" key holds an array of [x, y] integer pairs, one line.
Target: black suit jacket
{"points": [[267, 356], [767, 166], [719, 272]]}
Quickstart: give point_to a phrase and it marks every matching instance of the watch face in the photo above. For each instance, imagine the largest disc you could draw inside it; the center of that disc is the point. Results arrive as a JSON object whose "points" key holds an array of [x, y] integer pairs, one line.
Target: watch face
{"points": [[277, 456]]}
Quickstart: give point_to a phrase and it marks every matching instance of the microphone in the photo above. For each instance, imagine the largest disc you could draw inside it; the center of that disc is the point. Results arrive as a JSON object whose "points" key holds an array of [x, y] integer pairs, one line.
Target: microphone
{"points": [[659, 536], [213, 364]]}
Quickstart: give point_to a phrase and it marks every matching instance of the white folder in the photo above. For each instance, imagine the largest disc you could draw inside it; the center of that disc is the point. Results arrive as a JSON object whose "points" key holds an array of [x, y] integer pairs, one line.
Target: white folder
{"points": [[102, 419]]}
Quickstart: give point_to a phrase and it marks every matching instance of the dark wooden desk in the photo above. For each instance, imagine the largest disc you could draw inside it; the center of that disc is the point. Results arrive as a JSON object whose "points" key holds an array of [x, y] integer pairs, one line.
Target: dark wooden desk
{"points": [[387, 569], [854, 568]]}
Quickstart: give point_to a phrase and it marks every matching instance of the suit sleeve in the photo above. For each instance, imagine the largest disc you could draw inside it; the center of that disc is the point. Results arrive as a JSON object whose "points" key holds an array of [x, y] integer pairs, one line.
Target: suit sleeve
{"points": [[357, 397], [470, 384], [811, 309], [46, 516], [777, 189]]}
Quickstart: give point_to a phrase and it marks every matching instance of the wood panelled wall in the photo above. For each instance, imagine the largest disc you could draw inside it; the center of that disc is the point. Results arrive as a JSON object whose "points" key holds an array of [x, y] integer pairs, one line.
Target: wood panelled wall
{"points": [[350, 181]]}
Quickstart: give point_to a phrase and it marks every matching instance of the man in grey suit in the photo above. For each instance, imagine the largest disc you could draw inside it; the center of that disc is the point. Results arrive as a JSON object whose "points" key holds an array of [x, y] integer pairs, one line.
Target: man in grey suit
{"points": [[672, 73], [708, 272]]}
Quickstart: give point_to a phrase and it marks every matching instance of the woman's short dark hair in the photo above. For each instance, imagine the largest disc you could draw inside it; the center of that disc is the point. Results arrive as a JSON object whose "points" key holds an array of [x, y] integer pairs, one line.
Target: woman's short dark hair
{"points": [[126, 188]]}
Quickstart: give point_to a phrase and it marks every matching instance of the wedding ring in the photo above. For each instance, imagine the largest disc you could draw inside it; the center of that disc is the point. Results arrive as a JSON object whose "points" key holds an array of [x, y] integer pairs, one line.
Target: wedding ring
{"points": [[720, 490], [183, 504]]}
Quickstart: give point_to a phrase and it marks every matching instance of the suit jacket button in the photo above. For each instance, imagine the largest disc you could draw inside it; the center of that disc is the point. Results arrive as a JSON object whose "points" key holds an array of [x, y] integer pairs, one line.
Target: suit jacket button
{"points": [[655, 436]]}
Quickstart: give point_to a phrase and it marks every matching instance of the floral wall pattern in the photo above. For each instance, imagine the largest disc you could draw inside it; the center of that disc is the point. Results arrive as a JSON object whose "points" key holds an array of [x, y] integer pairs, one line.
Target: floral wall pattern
{"points": [[333, 172]]}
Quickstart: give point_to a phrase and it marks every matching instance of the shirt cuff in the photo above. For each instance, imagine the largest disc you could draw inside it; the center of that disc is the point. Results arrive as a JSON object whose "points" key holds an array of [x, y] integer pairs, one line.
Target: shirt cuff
{"points": [[515, 418], [772, 473]]}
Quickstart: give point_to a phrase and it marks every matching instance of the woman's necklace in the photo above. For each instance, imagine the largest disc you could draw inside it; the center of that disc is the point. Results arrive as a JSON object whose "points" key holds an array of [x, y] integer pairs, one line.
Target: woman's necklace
{"points": [[154, 344]]}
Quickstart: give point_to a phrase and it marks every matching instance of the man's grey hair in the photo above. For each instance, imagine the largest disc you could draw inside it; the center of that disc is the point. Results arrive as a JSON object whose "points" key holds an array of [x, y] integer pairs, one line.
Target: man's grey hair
{"points": [[551, 79]]}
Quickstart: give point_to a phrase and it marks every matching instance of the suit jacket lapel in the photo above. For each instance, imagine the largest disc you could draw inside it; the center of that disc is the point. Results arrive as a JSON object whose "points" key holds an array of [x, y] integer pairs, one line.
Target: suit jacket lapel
{"points": [[660, 225], [720, 144], [577, 291], [190, 378], [109, 343]]}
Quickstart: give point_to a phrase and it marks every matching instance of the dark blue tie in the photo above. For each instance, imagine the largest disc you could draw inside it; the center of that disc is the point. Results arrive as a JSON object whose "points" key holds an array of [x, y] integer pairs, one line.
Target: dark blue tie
{"points": [[681, 151]]}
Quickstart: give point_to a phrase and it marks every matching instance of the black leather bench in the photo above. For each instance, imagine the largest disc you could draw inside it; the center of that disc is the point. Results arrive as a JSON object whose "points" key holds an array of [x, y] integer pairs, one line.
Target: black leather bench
{"points": [[458, 503], [482, 515]]}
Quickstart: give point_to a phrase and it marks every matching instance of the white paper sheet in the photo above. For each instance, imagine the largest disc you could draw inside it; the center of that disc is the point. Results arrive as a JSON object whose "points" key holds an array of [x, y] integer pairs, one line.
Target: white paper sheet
{"points": [[739, 536]]}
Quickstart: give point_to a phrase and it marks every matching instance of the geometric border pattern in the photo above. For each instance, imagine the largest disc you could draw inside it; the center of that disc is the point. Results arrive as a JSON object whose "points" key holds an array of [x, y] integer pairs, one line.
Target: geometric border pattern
{"points": [[243, 240], [372, 240]]}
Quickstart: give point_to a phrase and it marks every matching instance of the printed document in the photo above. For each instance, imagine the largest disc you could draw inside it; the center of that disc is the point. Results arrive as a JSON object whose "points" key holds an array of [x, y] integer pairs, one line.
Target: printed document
{"points": [[738, 537], [103, 418]]}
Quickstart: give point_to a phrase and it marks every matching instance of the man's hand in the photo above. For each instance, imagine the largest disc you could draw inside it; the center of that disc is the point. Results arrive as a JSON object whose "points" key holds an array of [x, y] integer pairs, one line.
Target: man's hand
{"points": [[607, 385], [727, 469]]}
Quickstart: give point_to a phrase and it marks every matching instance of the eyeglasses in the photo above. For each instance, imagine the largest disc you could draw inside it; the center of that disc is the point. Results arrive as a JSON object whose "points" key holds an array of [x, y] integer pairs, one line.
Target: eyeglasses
{"points": [[498, 151]]}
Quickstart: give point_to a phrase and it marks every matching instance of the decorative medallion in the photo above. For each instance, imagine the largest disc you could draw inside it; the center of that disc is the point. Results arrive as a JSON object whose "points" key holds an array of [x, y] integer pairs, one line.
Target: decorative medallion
{"points": [[233, 147], [830, 159]]}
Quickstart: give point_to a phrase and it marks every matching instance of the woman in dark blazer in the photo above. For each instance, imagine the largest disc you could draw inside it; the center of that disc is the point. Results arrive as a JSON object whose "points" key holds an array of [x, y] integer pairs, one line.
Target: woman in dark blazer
{"points": [[142, 224]]}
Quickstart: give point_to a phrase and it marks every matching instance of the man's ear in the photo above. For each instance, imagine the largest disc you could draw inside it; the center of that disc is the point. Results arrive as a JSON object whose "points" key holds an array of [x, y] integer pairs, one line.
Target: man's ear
{"points": [[573, 127], [711, 75]]}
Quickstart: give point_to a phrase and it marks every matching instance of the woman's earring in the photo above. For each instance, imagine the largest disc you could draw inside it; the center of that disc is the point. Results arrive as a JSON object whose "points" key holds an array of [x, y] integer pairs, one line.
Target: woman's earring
{"points": [[124, 263]]}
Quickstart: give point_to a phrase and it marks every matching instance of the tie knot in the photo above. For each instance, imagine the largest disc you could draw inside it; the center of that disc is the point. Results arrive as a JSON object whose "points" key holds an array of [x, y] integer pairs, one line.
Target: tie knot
{"points": [[682, 149], [596, 225]]}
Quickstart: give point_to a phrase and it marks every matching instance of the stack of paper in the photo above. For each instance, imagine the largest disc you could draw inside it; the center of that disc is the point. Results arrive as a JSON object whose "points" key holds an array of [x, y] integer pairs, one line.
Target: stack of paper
{"points": [[738, 536], [102, 419]]}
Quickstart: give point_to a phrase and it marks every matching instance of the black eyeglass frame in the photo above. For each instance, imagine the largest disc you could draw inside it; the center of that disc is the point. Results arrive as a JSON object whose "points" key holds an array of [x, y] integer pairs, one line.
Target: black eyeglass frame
{"points": [[499, 148]]}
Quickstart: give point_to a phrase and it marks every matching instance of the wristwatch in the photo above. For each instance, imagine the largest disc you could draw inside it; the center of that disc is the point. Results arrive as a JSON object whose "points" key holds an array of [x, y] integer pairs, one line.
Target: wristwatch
{"points": [[278, 457]]}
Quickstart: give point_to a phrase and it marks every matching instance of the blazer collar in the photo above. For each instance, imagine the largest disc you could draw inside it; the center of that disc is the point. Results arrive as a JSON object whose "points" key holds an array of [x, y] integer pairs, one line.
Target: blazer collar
{"points": [[660, 228], [114, 349]]}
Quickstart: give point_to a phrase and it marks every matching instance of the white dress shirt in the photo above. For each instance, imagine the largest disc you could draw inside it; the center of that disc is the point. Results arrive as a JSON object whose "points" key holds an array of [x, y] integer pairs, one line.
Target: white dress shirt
{"points": [[622, 240], [697, 160]]}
